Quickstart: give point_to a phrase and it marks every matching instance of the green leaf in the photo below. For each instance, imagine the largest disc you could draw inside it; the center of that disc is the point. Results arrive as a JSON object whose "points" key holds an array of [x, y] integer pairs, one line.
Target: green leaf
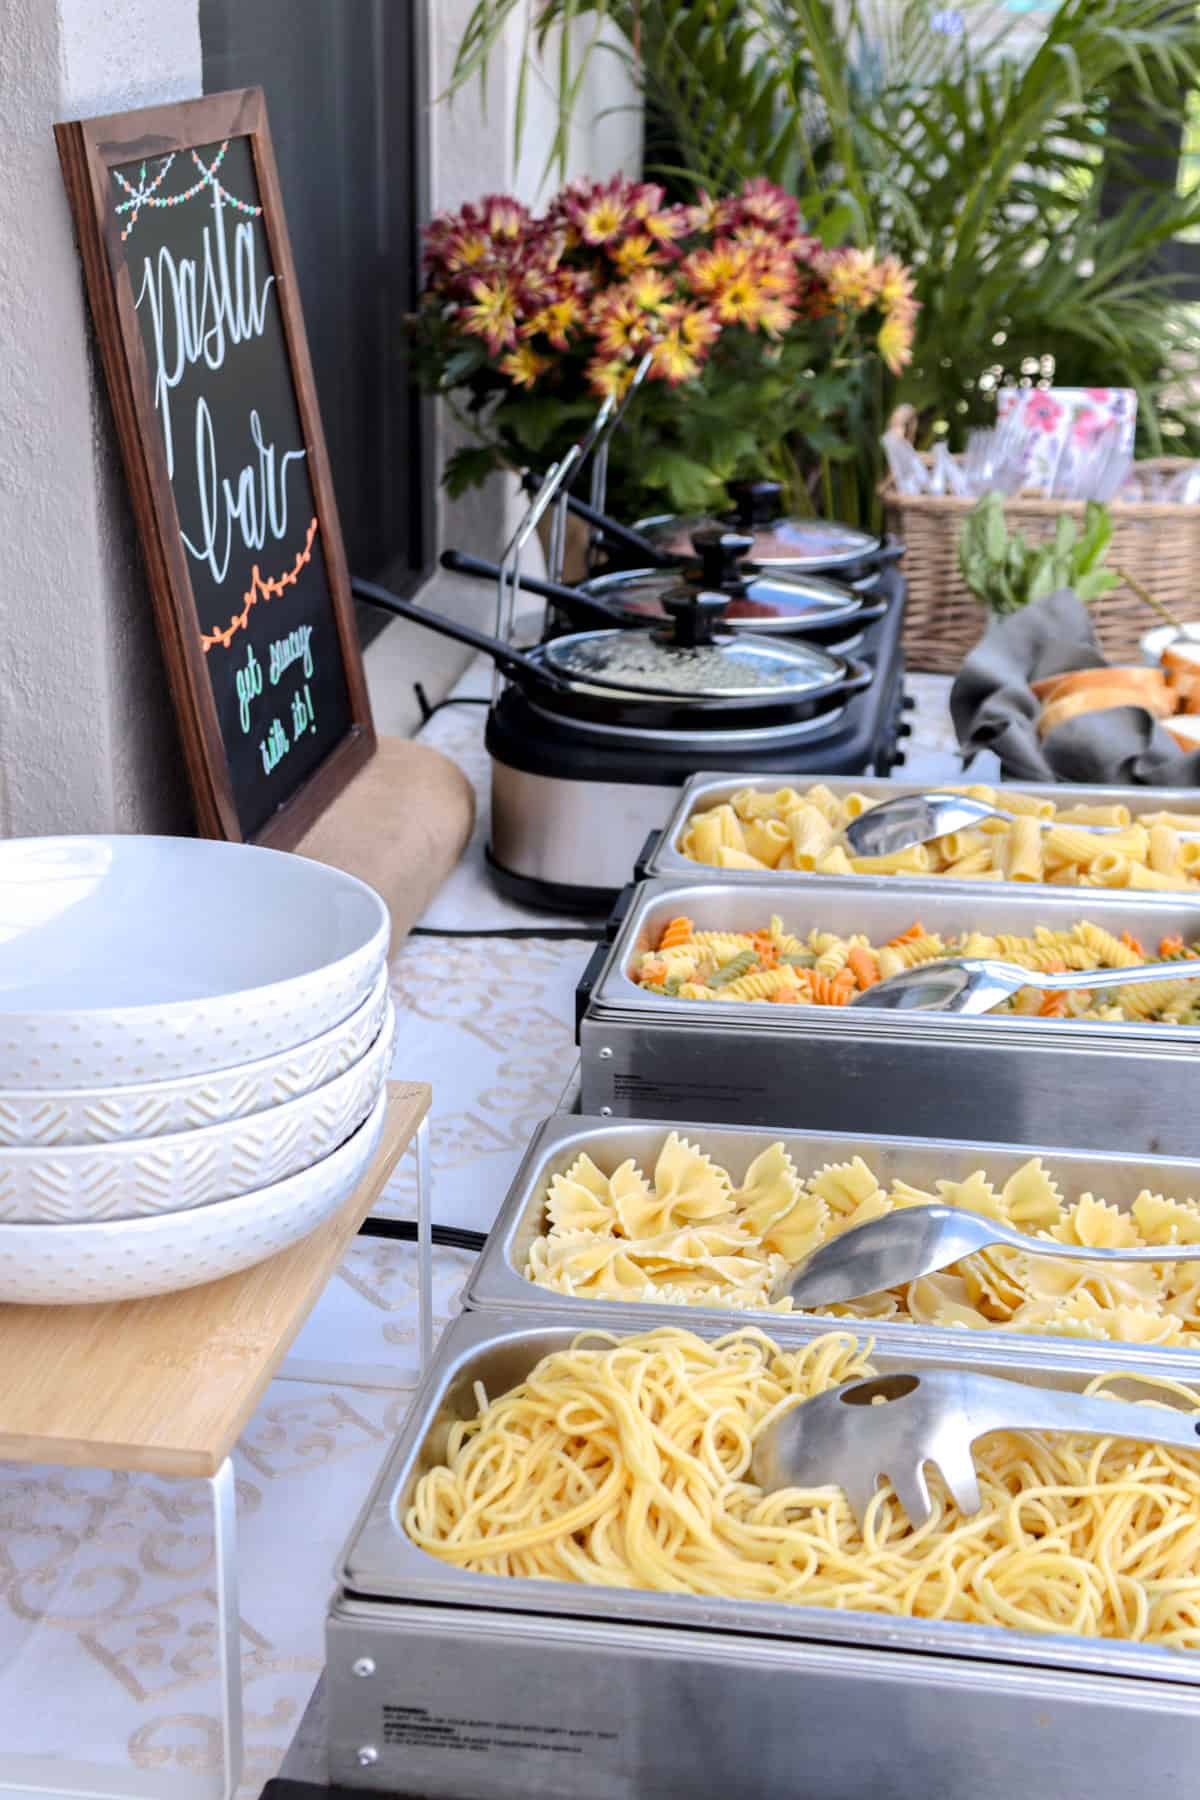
{"points": [[468, 468]]}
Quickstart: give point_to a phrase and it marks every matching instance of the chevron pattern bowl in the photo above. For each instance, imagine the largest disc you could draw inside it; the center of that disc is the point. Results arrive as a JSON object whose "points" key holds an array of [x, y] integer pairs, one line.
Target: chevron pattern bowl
{"points": [[127, 1259], [142, 1177], [58, 1118]]}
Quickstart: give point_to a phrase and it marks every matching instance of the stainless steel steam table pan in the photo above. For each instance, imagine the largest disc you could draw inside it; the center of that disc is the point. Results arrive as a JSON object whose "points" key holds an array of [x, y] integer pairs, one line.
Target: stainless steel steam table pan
{"points": [[712, 789], [497, 1283], [1128, 1087], [447, 1683]]}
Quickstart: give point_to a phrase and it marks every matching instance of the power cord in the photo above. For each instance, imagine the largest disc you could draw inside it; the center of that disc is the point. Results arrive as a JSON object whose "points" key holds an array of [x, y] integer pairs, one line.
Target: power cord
{"points": [[404, 1231]]}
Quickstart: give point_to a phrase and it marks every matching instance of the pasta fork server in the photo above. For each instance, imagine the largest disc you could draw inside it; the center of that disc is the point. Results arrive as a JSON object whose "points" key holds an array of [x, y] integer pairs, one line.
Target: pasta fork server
{"points": [[975, 984], [912, 819], [912, 1241], [847, 1437]]}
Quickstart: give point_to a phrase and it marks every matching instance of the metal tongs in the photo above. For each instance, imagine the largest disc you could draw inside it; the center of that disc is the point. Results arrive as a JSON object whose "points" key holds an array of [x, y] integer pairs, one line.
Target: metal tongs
{"points": [[912, 1241], [975, 984], [845, 1436], [912, 819]]}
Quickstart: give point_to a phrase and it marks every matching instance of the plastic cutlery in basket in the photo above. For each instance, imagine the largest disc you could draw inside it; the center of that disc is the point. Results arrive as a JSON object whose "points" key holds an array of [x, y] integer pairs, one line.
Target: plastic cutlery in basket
{"points": [[846, 1436], [975, 984], [912, 1241], [912, 819]]}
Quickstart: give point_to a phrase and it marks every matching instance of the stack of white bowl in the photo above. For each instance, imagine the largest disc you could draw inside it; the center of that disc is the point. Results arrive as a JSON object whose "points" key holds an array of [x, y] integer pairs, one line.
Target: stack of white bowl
{"points": [[194, 1041]]}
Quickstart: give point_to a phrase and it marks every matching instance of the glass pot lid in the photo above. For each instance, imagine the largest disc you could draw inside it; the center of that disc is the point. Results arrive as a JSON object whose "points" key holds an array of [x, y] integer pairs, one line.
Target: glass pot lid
{"points": [[783, 543], [767, 602], [729, 668]]}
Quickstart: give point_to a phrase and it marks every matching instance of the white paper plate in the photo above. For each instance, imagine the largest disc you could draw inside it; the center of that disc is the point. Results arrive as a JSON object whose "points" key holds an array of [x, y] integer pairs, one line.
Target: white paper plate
{"points": [[139, 959], [127, 1259], [60, 1117], [142, 1177]]}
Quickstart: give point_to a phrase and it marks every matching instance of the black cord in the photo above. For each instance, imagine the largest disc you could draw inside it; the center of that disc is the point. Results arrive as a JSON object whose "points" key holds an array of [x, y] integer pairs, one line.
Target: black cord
{"points": [[585, 934], [451, 1237], [428, 707]]}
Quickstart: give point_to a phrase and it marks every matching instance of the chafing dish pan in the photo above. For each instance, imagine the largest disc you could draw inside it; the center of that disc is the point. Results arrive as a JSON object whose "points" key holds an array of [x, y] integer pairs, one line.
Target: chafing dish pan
{"points": [[497, 1283], [1128, 1086], [710, 789], [447, 1683]]}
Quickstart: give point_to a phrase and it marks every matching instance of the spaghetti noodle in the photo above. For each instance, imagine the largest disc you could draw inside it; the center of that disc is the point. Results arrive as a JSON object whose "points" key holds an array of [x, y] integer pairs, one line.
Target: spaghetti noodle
{"points": [[625, 1463]]}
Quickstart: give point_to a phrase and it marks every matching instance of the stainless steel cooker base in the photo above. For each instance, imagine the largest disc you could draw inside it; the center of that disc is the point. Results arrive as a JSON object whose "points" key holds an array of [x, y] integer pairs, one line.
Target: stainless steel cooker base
{"points": [[712, 788], [578, 834], [446, 1683], [497, 1283], [1124, 1087]]}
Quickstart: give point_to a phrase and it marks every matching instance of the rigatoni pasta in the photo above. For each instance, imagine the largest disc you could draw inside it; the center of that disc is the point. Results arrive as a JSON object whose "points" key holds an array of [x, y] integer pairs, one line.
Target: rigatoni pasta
{"points": [[801, 832]]}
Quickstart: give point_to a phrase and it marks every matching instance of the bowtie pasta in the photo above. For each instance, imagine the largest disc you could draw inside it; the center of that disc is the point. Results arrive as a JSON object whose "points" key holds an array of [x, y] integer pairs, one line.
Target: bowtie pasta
{"points": [[688, 1235], [793, 830], [825, 969]]}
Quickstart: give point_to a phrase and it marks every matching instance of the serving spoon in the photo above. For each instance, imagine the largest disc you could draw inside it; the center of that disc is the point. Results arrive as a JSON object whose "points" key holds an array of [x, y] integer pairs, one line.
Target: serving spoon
{"points": [[912, 1241], [846, 1437], [912, 819], [975, 984]]}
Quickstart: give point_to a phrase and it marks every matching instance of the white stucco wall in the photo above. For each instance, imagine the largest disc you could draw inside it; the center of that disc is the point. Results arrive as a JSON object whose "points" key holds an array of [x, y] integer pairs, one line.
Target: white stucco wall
{"points": [[87, 739]]}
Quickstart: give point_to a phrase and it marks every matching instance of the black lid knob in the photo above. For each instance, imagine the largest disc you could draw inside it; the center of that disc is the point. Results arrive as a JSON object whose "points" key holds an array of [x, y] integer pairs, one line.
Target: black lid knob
{"points": [[694, 613], [720, 551], [756, 502]]}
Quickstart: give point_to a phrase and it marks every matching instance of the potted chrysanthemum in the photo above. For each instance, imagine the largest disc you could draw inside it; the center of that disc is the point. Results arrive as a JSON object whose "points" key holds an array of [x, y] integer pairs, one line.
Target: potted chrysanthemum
{"points": [[768, 350]]}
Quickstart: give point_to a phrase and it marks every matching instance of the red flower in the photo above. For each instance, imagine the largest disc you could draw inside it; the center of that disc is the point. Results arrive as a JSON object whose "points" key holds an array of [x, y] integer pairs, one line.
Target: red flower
{"points": [[1041, 411]]}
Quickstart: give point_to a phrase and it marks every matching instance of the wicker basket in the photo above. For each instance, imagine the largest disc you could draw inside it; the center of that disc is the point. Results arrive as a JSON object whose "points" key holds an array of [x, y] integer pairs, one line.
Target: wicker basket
{"points": [[1159, 545]]}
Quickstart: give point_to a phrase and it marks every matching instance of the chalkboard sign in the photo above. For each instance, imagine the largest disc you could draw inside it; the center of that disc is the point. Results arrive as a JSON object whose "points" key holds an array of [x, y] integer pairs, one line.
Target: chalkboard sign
{"points": [[192, 288]]}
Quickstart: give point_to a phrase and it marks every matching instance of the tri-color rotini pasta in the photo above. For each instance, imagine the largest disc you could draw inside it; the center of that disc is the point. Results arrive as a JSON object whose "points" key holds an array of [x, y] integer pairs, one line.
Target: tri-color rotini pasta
{"points": [[789, 829], [825, 969]]}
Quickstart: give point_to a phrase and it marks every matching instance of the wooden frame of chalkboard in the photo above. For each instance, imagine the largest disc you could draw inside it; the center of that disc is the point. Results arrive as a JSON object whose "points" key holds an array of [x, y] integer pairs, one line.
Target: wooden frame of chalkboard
{"points": [[188, 268]]}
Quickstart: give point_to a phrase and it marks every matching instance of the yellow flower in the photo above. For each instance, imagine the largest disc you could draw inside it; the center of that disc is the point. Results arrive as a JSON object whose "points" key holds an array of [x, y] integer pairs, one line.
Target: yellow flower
{"points": [[895, 287], [674, 359], [554, 321], [710, 270], [852, 278], [638, 252], [649, 289], [466, 250], [699, 327], [775, 316], [609, 377], [493, 313], [622, 328], [602, 220], [523, 365], [740, 302], [895, 342]]}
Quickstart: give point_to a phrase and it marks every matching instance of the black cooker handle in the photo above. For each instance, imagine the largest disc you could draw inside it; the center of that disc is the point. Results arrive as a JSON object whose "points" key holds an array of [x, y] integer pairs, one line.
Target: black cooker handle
{"points": [[510, 662], [581, 609], [621, 535], [620, 909], [890, 551], [587, 983], [642, 863], [867, 615], [756, 502], [859, 675]]}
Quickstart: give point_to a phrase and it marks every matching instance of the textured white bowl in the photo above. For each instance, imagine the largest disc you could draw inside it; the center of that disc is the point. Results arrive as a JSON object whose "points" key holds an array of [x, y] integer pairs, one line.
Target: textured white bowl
{"points": [[136, 959], [127, 1259], [142, 1177], [57, 1117]]}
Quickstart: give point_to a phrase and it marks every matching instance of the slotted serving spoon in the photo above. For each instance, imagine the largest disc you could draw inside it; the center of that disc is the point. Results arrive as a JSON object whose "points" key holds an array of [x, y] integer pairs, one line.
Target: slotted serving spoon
{"points": [[974, 984], [912, 819], [844, 1437], [912, 1241]]}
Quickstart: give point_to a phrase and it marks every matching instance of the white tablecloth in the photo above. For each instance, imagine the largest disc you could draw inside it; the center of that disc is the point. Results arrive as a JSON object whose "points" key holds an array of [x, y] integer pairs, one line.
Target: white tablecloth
{"points": [[107, 1623]]}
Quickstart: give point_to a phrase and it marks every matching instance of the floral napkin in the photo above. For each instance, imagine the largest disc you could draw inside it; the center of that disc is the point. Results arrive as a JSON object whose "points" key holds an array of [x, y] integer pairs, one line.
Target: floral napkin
{"points": [[1062, 422]]}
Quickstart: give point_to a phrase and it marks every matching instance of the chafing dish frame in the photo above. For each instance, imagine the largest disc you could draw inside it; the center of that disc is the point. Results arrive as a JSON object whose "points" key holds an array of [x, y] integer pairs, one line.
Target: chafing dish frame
{"points": [[1126, 1086]]}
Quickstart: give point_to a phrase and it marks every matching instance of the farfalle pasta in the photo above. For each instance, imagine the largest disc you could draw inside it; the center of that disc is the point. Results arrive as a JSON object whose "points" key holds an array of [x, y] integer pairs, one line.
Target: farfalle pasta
{"points": [[825, 969], [686, 1234], [801, 830]]}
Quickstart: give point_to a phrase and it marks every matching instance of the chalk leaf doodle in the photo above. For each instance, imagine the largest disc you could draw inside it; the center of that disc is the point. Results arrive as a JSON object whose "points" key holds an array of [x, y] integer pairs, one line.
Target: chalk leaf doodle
{"points": [[261, 588]]}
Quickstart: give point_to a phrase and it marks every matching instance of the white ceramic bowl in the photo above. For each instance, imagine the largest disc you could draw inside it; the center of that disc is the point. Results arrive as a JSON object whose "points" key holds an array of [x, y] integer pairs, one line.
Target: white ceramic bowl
{"points": [[127, 1259], [136, 959], [67, 1116], [1152, 643], [142, 1177]]}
